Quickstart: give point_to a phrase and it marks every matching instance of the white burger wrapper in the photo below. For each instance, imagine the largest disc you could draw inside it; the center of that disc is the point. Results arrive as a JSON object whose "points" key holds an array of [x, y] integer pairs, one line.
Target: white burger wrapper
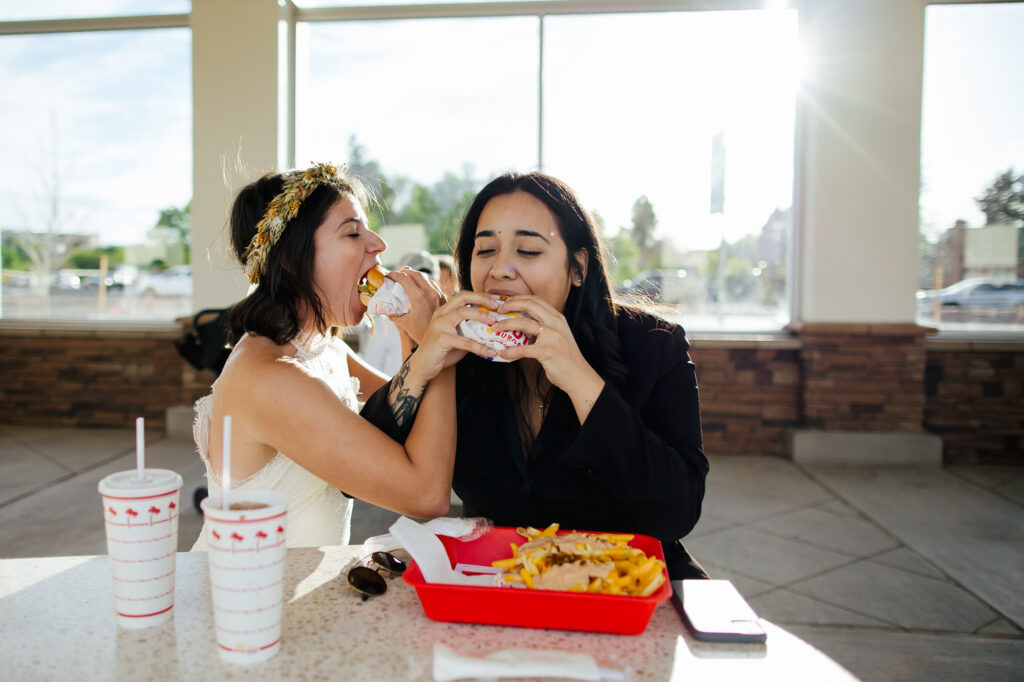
{"points": [[389, 299], [478, 331]]}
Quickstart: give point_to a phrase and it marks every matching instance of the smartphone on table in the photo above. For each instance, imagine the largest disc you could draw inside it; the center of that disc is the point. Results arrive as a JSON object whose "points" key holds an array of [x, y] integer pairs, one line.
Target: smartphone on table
{"points": [[715, 611]]}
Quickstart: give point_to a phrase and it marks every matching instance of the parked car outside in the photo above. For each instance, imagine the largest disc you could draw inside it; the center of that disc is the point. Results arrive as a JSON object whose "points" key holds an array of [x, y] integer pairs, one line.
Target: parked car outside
{"points": [[977, 292], [660, 286], [63, 280], [174, 281], [20, 279]]}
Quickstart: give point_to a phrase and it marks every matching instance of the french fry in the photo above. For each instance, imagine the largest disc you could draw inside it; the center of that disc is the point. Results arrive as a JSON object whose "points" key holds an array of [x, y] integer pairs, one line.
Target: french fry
{"points": [[647, 568], [655, 583], [505, 563]]}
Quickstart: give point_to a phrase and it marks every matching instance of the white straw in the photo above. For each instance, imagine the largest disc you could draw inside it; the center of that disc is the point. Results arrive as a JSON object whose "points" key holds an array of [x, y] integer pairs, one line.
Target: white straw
{"points": [[225, 464], [140, 449]]}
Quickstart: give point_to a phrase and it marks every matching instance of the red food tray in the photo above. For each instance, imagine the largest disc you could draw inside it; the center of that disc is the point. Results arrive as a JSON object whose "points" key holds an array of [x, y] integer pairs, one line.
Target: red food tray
{"points": [[519, 607]]}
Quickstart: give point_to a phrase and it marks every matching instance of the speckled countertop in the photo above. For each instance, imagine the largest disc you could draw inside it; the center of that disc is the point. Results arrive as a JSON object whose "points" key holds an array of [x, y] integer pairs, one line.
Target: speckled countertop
{"points": [[57, 622]]}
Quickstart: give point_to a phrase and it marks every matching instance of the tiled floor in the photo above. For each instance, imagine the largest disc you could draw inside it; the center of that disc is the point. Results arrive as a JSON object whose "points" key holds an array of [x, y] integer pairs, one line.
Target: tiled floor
{"points": [[898, 574]]}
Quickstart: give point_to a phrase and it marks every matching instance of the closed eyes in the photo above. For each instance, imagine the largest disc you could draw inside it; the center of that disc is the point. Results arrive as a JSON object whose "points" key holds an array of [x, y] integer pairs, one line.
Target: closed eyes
{"points": [[521, 252]]}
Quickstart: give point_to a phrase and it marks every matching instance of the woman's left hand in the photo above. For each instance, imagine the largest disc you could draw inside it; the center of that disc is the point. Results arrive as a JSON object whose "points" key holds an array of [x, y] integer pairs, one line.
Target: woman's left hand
{"points": [[425, 296], [554, 346]]}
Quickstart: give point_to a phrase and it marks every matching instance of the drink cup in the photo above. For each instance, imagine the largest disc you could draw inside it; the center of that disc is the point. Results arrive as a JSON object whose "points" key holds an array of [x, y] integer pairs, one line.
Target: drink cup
{"points": [[141, 518], [246, 555]]}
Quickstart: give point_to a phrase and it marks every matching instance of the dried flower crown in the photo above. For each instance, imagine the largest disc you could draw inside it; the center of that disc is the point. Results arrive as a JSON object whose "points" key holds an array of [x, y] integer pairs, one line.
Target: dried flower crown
{"points": [[298, 185]]}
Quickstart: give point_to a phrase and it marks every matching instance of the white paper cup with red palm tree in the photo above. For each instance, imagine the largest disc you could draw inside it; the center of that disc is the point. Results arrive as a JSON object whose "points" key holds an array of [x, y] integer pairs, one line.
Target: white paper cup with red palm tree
{"points": [[141, 520], [246, 554]]}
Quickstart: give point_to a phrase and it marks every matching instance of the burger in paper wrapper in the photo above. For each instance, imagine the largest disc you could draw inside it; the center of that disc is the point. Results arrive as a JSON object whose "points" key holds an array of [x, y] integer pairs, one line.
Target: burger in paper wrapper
{"points": [[488, 336], [382, 296]]}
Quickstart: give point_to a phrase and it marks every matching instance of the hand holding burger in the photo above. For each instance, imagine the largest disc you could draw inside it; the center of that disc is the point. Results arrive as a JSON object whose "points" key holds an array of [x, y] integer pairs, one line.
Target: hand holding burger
{"points": [[494, 339]]}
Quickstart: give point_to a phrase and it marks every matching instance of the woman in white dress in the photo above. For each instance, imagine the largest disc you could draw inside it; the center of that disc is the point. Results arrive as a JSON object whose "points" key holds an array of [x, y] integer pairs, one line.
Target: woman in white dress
{"points": [[293, 388]]}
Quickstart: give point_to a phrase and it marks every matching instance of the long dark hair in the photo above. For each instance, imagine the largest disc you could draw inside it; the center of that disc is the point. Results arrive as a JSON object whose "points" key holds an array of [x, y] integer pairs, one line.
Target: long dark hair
{"points": [[590, 309], [286, 288]]}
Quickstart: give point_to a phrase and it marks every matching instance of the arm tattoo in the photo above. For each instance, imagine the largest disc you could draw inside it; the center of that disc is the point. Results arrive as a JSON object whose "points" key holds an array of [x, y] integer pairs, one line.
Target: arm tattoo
{"points": [[403, 403]]}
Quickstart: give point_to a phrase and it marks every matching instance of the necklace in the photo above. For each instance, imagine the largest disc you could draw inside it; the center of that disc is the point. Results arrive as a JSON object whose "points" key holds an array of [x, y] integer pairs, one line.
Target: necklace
{"points": [[542, 403]]}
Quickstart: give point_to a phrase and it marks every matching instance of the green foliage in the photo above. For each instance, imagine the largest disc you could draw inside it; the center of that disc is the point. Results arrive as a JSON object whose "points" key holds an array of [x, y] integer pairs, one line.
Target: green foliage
{"points": [[178, 221], [14, 257], [439, 208], [421, 209], [454, 194], [383, 192], [1002, 202], [748, 277], [642, 230], [89, 259], [755, 271], [621, 254]]}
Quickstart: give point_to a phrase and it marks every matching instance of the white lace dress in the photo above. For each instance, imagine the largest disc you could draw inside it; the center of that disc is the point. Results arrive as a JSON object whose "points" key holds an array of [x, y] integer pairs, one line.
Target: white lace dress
{"points": [[318, 514]]}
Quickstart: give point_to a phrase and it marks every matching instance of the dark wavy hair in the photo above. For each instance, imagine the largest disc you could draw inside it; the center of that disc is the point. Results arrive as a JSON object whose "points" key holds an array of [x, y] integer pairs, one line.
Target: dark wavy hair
{"points": [[286, 288], [590, 309]]}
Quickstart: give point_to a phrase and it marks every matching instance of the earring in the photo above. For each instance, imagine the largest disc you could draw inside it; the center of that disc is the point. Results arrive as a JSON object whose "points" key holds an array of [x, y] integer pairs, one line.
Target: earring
{"points": [[579, 281]]}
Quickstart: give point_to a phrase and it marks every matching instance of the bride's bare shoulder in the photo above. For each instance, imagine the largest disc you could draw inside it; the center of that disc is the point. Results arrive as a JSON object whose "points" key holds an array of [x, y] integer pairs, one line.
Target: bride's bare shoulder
{"points": [[254, 356]]}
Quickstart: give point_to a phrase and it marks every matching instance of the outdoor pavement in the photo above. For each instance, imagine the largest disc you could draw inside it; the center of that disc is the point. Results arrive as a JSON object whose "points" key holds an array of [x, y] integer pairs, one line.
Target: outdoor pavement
{"points": [[897, 574]]}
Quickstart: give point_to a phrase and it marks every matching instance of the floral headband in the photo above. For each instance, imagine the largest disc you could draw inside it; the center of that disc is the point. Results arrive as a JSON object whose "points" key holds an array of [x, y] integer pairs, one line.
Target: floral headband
{"points": [[298, 185]]}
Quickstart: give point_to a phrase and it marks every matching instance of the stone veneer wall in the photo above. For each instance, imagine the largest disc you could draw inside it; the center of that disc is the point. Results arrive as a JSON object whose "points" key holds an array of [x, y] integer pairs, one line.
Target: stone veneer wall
{"points": [[753, 389], [65, 375], [749, 392], [863, 377], [975, 400]]}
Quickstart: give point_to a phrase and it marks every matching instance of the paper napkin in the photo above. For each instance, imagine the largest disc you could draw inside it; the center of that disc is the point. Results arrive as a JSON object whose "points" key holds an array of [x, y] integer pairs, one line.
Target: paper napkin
{"points": [[430, 555], [390, 299], [451, 665]]}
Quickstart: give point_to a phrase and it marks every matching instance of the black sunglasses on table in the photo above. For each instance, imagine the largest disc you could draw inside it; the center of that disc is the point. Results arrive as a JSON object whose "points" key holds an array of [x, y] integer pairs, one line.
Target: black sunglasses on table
{"points": [[368, 580]]}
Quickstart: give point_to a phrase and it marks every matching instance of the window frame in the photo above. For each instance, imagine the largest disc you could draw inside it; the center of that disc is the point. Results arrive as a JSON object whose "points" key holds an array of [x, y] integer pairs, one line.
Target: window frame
{"points": [[90, 25]]}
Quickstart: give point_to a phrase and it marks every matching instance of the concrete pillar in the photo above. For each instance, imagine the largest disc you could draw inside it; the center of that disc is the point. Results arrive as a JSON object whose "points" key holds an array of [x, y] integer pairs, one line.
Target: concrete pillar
{"points": [[858, 179], [235, 56], [858, 160]]}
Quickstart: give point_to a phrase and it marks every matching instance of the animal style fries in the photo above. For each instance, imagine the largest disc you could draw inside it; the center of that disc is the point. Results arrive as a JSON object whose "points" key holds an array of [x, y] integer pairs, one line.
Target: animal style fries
{"points": [[601, 563]]}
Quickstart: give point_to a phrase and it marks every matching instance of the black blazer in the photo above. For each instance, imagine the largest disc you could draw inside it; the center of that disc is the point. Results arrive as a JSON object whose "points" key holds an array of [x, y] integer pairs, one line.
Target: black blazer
{"points": [[635, 466]]}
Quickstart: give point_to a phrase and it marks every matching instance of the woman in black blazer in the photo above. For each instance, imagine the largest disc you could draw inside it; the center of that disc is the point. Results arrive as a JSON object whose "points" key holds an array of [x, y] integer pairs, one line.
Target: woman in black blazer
{"points": [[596, 423]]}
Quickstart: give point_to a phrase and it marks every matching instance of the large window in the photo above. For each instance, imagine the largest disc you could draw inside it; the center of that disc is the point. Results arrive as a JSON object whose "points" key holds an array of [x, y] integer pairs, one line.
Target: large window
{"points": [[432, 108], [676, 129], [96, 176], [972, 169]]}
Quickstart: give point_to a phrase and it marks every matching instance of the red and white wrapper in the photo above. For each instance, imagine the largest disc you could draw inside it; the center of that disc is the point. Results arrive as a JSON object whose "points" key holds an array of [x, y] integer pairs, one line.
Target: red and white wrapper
{"points": [[485, 334], [390, 299], [142, 540], [246, 556]]}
